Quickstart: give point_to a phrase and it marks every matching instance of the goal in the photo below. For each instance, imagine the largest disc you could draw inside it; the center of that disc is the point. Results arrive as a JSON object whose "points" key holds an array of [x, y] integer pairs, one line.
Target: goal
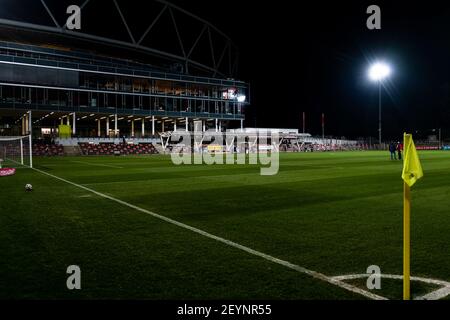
{"points": [[16, 151]]}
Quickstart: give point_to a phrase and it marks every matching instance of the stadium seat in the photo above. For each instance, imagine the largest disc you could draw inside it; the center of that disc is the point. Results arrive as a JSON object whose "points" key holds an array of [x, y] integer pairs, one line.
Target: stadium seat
{"points": [[104, 148]]}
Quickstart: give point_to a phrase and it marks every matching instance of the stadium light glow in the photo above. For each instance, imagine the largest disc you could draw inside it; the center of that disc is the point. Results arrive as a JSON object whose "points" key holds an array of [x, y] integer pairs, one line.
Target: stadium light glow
{"points": [[378, 71], [241, 98]]}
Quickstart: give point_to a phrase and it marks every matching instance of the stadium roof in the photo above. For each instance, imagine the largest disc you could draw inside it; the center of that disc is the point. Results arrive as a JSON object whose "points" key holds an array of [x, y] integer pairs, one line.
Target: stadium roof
{"points": [[158, 32]]}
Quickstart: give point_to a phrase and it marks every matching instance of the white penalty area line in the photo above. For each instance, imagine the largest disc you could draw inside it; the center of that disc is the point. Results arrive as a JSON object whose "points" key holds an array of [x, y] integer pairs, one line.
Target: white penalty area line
{"points": [[97, 164], [314, 274]]}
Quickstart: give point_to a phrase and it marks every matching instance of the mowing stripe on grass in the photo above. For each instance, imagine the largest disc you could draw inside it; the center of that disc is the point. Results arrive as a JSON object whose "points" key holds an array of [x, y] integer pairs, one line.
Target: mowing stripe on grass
{"points": [[97, 164], [314, 274]]}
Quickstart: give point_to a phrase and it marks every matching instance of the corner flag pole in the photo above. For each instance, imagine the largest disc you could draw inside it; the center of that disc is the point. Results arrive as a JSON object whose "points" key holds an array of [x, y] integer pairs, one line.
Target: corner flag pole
{"points": [[406, 241], [412, 171]]}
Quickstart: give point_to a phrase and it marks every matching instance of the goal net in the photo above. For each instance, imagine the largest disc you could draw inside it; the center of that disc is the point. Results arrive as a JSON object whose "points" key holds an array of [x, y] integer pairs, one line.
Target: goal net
{"points": [[16, 151]]}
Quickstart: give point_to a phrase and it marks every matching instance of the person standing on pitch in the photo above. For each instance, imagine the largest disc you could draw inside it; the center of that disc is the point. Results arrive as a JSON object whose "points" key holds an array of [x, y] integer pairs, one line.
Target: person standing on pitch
{"points": [[392, 151], [399, 150]]}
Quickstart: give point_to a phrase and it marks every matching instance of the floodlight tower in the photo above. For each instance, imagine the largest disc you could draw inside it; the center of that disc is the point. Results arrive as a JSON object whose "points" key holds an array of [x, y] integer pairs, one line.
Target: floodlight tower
{"points": [[378, 72]]}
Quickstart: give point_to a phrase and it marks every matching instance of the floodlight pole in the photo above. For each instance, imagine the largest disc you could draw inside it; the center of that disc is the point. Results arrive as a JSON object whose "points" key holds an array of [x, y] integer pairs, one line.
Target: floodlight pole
{"points": [[379, 112], [440, 145], [303, 123]]}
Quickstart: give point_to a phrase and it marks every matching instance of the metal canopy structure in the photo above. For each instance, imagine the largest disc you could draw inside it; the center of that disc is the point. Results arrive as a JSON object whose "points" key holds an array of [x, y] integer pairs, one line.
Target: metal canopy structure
{"points": [[251, 136], [220, 61]]}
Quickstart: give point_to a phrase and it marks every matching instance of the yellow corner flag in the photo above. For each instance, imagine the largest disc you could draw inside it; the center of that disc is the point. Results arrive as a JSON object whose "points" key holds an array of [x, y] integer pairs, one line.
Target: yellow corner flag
{"points": [[412, 171]]}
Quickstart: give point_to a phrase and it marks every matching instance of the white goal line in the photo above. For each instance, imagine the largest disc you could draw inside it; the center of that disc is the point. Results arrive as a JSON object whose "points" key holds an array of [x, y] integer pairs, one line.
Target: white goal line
{"points": [[21, 139]]}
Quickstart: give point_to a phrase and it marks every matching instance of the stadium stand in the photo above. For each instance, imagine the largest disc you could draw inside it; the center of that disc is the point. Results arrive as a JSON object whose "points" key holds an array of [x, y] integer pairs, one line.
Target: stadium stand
{"points": [[310, 147], [48, 150], [111, 148]]}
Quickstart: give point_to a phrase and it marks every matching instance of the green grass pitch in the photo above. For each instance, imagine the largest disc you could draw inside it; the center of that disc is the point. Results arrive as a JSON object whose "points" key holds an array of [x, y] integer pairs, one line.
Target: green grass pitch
{"points": [[335, 213]]}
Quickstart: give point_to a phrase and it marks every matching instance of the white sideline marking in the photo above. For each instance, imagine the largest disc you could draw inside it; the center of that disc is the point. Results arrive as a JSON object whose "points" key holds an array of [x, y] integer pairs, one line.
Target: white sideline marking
{"points": [[98, 164], [314, 274], [85, 196], [434, 295]]}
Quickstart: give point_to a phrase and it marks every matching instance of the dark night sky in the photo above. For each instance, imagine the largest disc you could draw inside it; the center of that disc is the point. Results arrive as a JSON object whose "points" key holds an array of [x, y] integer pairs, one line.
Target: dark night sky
{"points": [[313, 57]]}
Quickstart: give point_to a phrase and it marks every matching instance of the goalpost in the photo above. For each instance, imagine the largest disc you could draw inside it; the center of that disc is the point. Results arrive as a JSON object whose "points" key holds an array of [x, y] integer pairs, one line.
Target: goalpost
{"points": [[16, 151]]}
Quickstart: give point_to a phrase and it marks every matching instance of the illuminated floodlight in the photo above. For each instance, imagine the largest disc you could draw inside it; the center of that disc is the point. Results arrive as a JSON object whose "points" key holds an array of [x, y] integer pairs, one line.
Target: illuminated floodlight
{"points": [[378, 71], [241, 98]]}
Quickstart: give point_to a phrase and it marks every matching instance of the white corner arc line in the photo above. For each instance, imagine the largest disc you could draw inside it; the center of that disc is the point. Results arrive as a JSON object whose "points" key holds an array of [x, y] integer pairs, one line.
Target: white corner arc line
{"points": [[314, 274], [437, 294]]}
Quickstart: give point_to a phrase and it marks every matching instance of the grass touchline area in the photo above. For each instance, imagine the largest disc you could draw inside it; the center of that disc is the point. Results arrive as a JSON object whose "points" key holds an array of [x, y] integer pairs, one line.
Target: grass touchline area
{"points": [[336, 213]]}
